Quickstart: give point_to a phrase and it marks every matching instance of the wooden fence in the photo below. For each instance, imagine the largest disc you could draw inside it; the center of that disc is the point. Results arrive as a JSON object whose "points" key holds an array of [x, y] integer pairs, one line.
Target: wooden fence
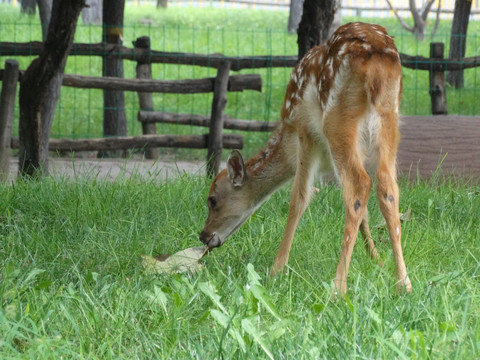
{"points": [[145, 86], [219, 85]]}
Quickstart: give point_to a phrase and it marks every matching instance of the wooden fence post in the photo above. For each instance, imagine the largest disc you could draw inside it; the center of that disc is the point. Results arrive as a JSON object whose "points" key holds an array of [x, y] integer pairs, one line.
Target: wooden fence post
{"points": [[437, 82], [215, 145], [7, 106], [145, 99]]}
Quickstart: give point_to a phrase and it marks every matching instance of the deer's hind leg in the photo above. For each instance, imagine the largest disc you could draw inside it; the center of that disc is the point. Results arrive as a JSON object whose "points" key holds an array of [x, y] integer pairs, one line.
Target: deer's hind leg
{"points": [[388, 198], [368, 240], [342, 135]]}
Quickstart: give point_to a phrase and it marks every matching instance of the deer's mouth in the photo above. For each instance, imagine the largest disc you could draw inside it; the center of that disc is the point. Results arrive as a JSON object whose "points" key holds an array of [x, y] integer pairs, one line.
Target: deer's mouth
{"points": [[211, 240], [217, 239]]}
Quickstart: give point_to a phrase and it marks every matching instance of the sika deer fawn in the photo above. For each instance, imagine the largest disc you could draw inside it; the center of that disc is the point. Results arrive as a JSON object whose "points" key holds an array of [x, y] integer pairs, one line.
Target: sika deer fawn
{"points": [[340, 113]]}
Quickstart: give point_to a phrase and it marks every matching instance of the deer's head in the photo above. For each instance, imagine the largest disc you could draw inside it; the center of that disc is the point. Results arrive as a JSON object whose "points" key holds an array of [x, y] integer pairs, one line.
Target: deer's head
{"points": [[229, 202]]}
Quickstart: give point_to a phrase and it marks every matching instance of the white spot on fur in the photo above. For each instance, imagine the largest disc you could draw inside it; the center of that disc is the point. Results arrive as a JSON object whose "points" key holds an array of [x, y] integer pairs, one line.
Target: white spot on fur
{"points": [[348, 238], [294, 76], [367, 47], [310, 111], [342, 50], [396, 102], [287, 104], [300, 81], [398, 231], [339, 81]]}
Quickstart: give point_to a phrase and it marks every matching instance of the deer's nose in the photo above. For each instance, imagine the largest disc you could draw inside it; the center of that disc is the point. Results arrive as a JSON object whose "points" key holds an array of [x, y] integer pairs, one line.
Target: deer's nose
{"points": [[205, 237], [210, 239]]}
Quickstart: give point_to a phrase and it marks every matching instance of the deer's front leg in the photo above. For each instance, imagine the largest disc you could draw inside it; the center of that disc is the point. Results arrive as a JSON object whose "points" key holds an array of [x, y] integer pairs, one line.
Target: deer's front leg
{"points": [[299, 199]]}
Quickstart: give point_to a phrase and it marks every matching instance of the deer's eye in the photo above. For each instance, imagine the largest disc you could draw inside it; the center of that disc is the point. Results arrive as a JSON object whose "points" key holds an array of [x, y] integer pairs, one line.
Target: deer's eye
{"points": [[212, 202]]}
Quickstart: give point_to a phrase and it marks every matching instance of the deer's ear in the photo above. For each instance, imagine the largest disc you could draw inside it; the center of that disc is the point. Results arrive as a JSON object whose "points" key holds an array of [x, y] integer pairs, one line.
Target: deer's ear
{"points": [[236, 168]]}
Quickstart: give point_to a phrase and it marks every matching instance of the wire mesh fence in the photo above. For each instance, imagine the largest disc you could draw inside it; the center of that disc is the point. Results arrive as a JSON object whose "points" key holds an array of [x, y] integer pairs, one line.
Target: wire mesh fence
{"points": [[80, 111]]}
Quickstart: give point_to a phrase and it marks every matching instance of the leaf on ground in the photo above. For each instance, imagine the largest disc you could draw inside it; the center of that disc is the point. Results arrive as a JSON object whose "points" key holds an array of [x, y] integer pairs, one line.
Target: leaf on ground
{"points": [[182, 261], [406, 215]]}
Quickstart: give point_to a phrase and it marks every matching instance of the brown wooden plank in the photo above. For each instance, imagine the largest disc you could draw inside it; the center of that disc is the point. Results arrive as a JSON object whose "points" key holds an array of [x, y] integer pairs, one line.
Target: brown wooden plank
{"points": [[230, 141], [214, 60], [105, 50], [426, 140], [188, 86], [202, 120]]}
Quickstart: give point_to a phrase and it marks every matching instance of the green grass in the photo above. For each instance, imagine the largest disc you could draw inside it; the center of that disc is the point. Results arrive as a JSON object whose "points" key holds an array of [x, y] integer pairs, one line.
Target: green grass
{"points": [[72, 284], [232, 32]]}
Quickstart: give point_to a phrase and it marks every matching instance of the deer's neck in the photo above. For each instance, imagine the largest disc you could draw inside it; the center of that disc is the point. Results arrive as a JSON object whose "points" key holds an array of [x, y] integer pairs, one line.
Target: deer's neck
{"points": [[273, 166]]}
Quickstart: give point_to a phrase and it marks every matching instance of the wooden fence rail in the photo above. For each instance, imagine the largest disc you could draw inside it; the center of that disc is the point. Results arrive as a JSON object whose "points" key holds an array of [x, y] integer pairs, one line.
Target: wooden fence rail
{"points": [[230, 141], [152, 56], [213, 60], [201, 120]]}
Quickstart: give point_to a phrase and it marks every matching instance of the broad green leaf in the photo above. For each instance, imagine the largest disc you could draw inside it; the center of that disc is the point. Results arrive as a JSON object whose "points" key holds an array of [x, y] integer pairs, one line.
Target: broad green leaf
{"points": [[32, 275], [448, 326], [160, 298], [276, 330], [318, 308], [257, 336], [261, 295], [223, 320], [253, 277], [208, 289]]}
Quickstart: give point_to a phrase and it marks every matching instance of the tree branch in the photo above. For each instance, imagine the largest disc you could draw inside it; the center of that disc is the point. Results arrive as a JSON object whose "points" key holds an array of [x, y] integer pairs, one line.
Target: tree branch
{"points": [[437, 19], [413, 9], [403, 23], [428, 6]]}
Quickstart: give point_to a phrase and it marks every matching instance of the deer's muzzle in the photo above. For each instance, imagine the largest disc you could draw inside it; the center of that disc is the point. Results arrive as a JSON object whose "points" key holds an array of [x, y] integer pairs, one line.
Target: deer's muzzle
{"points": [[211, 240]]}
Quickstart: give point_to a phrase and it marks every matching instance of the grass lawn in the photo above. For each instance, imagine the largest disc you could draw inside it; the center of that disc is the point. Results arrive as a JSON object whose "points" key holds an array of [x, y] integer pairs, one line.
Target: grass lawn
{"points": [[72, 284]]}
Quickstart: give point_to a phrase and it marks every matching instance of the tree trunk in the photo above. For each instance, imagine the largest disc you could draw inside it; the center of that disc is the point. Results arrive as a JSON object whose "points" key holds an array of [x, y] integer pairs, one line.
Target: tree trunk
{"points": [[295, 15], [162, 4], [457, 39], [28, 6], [114, 119], [53, 92], [314, 27], [45, 10], [36, 86], [337, 18], [92, 15]]}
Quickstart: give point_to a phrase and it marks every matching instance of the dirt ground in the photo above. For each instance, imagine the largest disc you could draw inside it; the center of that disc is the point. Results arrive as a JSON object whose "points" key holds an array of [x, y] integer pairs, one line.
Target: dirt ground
{"points": [[111, 169]]}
